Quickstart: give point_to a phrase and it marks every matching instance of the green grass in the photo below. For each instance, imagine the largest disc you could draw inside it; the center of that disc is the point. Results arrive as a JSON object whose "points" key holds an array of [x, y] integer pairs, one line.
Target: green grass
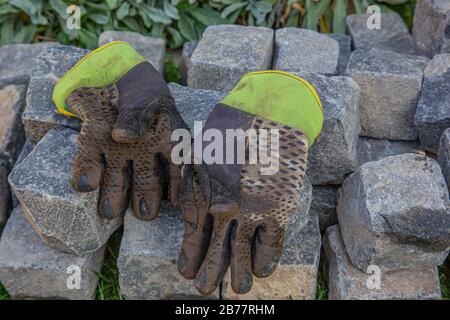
{"points": [[3, 293], [444, 275], [172, 72], [322, 291], [108, 285]]}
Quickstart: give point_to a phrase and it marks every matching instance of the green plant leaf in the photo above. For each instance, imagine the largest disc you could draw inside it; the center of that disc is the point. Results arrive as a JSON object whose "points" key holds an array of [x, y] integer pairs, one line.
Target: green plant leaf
{"points": [[88, 39], [145, 19], [7, 8], [314, 11], [26, 6], [99, 18], [7, 32], [360, 6], [112, 4], [176, 40], [232, 8], [207, 16], [132, 24], [157, 15], [25, 34], [263, 6], [186, 27], [170, 10], [292, 20], [157, 30], [98, 6], [339, 15], [122, 12], [59, 7]]}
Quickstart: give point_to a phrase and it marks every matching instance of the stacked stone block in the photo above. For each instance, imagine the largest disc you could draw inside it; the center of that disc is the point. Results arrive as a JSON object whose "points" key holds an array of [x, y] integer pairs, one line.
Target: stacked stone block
{"points": [[226, 53], [394, 219]]}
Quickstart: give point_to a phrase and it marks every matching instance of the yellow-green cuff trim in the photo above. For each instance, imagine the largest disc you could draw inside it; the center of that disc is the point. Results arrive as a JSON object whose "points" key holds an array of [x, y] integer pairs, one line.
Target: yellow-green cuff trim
{"points": [[101, 67], [279, 96]]}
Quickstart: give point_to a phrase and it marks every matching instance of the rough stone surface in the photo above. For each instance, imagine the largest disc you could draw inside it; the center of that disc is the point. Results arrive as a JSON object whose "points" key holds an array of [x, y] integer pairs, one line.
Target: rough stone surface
{"points": [[433, 109], [26, 150], [153, 49], [5, 194], [194, 104], [296, 274], [394, 213], [31, 269], [186, 54], [302, 50], [148, 259], [17, 61], [324, 204], [226, 53], [333, 155], [65, 219], [345, 282], [40, 114], [393, 34], [370, 149], [390, 85], [444, 156], [12, 135], [431, 30], [149, 253], [345, 50]]}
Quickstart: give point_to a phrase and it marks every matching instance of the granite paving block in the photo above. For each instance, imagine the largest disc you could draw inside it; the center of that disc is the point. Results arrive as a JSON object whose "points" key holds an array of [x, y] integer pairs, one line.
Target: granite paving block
{"points": [[433, 110], [31, 269], [345, 282], [394, 213], [226, 53], [431, 27], [390, 86], [302, 50], [153, 49], [40, 113], [65, 219], [393, 34]]}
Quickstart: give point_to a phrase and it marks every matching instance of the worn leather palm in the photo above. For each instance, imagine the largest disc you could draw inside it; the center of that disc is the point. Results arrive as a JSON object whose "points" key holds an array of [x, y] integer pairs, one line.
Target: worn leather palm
{"points": [[125, 143], [240, 223]]}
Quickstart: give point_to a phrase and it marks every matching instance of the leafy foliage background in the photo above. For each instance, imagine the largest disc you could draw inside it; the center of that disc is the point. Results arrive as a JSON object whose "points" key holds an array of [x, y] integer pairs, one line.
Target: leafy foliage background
{"points": [[24, 21]]}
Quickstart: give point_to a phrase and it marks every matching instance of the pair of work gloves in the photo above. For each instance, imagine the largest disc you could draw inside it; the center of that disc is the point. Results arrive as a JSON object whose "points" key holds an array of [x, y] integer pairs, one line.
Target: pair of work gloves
{"points": [[233, 214]]}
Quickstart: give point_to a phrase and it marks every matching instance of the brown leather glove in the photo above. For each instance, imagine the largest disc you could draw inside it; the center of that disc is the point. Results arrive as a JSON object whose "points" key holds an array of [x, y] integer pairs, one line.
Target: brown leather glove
{"points": [[234, 215], [138, 111]]}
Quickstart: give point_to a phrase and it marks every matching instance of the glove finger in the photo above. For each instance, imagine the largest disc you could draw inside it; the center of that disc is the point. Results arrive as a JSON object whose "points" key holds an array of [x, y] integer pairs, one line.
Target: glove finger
{"points": [[215, 264], [142, 91], [240, 262], [197, 226], [87, 165], [113, 196], [175, 185], [267, 249], [146, 192]]}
